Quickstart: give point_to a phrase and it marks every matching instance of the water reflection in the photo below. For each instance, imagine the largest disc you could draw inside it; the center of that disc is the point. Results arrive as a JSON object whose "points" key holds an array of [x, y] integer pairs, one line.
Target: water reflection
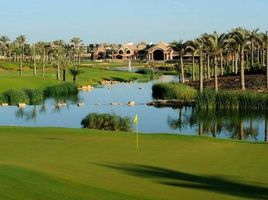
{"points": [[234, 124], [68, 112], [27, 115]]}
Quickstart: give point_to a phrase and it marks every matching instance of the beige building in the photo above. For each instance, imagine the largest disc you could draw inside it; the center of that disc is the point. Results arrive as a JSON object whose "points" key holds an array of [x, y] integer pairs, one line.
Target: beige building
{"points": [[161, 51]]}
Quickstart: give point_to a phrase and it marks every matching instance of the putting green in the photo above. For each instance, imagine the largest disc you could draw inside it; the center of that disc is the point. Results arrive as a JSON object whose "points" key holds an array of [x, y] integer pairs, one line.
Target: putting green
{"points": [[55, 163]]}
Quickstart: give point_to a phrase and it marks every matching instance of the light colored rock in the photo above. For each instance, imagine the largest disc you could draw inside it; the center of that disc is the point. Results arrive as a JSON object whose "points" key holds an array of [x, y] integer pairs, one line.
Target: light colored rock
{"points": [[4, 104], [131, 103], [21, 105], [60, 104], [86, 88], [80, 104], [115, 104]]}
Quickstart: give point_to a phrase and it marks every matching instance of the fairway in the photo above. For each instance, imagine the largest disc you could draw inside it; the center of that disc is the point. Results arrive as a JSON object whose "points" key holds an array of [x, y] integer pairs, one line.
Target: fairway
{"points": [[76, 164], [92, 76]]}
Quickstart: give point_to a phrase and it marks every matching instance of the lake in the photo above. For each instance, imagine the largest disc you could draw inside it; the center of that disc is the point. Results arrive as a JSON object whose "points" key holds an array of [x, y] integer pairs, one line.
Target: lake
{"points": [[187, 120]]}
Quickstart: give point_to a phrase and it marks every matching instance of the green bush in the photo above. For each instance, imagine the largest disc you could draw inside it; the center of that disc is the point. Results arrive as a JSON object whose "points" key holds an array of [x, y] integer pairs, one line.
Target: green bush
{"points": [[65, 89], [35, 96], [106, 122], [168, 91], [3, 99], [145, 71], [14, 97]]}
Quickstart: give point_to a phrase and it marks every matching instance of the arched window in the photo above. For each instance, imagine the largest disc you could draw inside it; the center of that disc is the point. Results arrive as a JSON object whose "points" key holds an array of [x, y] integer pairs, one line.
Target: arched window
{"points": [[128, 51]]}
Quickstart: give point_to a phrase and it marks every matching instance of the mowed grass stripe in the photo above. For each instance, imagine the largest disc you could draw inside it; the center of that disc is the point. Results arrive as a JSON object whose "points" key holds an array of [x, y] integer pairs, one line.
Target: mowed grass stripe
{"points": [[165, 166]]}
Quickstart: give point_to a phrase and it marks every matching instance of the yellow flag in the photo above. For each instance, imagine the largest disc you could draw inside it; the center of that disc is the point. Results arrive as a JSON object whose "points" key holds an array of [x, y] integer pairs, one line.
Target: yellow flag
{"points": [[136, 119]]}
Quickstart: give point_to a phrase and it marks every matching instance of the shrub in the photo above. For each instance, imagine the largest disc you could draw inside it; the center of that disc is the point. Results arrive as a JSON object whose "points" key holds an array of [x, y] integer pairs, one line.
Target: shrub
{"points": [[14, 97], [35, 96], [145, 71], [110, 122], [65, 89], [168, 91], [3, 99]]}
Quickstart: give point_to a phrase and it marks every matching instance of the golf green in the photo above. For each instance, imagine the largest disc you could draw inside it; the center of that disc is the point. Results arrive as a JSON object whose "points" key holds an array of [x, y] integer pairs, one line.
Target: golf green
{"points": [[78, 164]]}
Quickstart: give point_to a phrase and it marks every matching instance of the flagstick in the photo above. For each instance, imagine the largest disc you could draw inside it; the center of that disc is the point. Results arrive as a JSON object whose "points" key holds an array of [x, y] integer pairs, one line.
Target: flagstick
{"points": [[137, 135]]}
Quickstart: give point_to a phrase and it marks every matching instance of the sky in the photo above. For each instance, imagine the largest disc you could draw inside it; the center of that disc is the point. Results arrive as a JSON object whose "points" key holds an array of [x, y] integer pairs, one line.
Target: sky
{"points": [[122, 21]]}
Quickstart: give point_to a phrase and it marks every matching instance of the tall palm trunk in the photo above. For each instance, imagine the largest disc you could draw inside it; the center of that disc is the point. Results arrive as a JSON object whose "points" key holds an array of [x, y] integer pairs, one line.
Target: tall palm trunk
{"points": [[182, 70], [236, 62], [259, 55], [193, 71], [252, 53], [242, 70], [215, 74], [233, 63], [221, 59], [34, 58], [43, 65], [21, 65], [201, 84], [263, 57], [208, 66], [58, 71]]}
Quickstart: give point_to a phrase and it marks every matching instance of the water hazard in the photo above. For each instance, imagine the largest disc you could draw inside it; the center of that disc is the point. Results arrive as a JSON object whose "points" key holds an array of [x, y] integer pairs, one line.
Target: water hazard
{"points": [[114, 99]]}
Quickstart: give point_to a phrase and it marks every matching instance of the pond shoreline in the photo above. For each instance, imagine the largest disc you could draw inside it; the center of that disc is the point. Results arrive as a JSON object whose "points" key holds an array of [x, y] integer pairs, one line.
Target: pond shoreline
{"points": [[172, 103]]}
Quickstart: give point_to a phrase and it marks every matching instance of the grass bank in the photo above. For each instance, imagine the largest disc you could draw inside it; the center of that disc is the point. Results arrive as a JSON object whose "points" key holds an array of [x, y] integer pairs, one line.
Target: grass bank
{"points": [[10, 79], [55, 164]]}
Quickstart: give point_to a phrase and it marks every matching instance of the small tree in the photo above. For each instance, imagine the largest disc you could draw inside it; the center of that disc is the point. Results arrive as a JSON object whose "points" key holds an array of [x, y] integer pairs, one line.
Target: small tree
{"points": [[75, 72]]}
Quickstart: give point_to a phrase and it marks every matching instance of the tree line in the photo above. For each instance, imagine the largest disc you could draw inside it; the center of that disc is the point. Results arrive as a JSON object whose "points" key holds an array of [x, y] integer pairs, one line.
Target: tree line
{"points": [[232, 50], [57, 53], [217, 54]]}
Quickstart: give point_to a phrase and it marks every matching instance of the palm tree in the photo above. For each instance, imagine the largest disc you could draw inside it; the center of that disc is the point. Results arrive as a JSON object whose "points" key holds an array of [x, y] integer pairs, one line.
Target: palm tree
{"points": [[33, 50], [207, 50], [20, 41], [43, 48], [200, 48], [75, 72], [240, 37], [59, 55], [180, 47], [216, 43], [252, 37], [4, 42], [192, 47], [75, 43]]}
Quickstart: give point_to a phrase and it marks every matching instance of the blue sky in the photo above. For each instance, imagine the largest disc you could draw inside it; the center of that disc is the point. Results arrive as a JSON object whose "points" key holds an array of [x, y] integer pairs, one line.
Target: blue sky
{"points": [[120, 21]]}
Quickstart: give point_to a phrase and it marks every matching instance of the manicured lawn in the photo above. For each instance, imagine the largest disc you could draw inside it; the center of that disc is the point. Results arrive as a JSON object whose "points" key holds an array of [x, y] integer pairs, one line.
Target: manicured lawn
{"points": [[53, 163], [11, 79]]}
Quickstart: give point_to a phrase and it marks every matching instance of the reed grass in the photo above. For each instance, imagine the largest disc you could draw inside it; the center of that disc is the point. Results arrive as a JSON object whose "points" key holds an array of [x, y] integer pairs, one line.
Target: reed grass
{"points": [[65, 89], [168, 91], [232, 100], [14, 96], [35, 96]]}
